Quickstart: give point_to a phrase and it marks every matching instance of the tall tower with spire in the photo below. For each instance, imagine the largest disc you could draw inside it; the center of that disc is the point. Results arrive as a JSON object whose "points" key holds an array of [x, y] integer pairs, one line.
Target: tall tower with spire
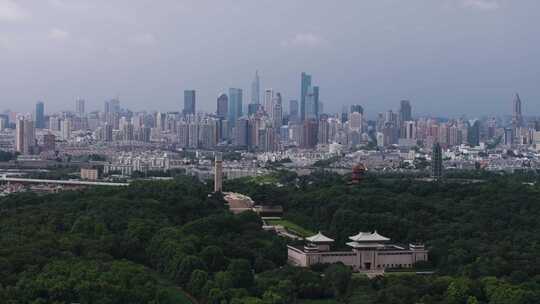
{"points": [[517, 118]]}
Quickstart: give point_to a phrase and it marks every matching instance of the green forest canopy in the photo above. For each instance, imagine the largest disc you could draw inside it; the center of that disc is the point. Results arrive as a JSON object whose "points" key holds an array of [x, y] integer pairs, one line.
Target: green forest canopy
{"points": [[153, 241]]}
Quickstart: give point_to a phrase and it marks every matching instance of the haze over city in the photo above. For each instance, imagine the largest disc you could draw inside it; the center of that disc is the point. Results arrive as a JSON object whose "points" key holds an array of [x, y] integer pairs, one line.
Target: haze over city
{"points": [[449, 57]]}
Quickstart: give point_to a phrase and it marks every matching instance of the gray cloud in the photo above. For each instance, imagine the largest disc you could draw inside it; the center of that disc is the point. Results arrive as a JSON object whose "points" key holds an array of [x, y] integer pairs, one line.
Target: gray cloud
{"points": [[11, 11], [447, 60], [485, 5]]}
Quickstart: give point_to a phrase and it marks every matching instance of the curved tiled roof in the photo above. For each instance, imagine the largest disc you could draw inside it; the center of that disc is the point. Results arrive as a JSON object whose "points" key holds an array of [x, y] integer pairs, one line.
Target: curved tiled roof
{"points": [[368, 237], [319, 238]]}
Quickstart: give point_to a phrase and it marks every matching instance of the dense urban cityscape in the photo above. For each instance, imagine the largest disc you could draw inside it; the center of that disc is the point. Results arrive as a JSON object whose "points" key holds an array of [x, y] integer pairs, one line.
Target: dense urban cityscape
{"points": [[264, 129]]}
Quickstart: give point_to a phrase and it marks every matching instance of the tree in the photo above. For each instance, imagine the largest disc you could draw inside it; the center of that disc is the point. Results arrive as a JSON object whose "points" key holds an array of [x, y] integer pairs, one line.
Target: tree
{"points": [[197, 281], [189, 264], [241, 273], [213, 258], [338, 277]]}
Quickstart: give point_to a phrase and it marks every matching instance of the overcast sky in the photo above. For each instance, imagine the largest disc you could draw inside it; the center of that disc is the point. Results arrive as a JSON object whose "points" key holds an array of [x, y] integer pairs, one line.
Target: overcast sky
{"points": [[449, 57]]}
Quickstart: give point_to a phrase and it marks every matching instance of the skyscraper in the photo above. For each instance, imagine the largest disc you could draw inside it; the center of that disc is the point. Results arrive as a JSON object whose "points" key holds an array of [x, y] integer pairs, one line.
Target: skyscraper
{"points": [[255, 89], [277, 115], [40, 115], [437, 162], [222, 106], [517, 118], [80, 107], [405, 111], [305, 84], [235, 104], [312, 103], [357, 108], [189, 102], [473, 133], [269, 102], [293, 111]]}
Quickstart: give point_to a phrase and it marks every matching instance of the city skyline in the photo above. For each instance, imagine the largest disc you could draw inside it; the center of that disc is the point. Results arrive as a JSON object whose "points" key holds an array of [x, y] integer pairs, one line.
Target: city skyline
{"points": [[470, 60]]}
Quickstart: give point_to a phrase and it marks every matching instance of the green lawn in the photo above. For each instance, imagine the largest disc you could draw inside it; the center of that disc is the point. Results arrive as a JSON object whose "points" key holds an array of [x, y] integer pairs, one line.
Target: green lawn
{"points": [[301, 231]]}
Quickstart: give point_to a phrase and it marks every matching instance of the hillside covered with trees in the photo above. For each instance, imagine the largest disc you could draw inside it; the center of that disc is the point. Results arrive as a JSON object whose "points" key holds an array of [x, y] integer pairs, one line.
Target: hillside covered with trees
{"points": [[173, 242]]}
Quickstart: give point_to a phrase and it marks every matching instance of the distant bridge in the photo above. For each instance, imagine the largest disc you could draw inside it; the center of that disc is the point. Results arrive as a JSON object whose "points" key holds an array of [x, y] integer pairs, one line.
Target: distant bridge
{"points": [[59, 182]]}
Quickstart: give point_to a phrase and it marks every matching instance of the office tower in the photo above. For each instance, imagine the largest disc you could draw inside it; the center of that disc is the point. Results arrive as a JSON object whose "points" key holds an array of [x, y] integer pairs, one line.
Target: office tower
{"points": [[189, 102], [25, 139], [80, 107], [235, 104], [517, 118], [305, 84], [40, 115], [277, 111], [357, 108], [255, 89], [437, 162], [293, 111], [312, 103], [218, 172], [222, 106], [316, 103], [269, 102], [405, 111], [474, 133], [404, 114]]}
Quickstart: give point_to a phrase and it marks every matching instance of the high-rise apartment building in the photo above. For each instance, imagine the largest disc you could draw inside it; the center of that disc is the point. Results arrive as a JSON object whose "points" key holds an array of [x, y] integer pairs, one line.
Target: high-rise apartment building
{"points": [[25, 139], [189, 102]]}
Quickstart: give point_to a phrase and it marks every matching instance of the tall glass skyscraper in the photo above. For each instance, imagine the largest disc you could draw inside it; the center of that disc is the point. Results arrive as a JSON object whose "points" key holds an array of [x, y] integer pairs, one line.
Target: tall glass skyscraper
{"points": [[235, 104], [189, 102], [40, 115], [304, 87]]}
